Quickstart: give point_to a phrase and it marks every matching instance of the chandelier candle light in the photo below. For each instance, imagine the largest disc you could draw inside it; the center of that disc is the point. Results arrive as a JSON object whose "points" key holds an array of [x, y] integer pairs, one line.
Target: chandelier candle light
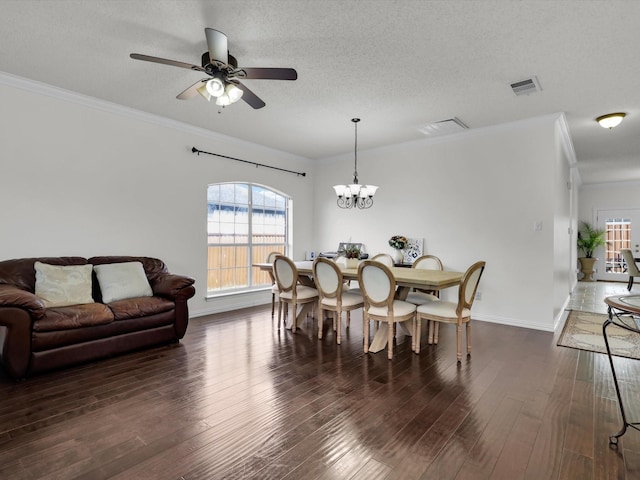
{"points": [[354, 194]]}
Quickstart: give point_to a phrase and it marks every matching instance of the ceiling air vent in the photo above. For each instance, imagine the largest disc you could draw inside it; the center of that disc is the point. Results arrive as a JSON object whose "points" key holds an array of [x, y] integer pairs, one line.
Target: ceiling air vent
{"points": [[526, 87], [443, 127]]}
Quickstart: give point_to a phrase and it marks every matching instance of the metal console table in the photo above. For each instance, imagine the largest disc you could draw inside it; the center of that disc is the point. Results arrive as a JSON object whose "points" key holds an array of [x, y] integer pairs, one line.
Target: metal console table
{"points": [[623, 312]]}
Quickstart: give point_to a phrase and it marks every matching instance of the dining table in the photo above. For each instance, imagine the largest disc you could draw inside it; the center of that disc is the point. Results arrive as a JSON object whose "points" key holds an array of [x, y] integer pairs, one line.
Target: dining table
{"points": [[406, 279]]}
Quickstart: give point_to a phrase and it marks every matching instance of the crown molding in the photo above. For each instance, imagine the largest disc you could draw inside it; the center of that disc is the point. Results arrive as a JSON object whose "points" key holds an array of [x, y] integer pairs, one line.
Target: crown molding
{"points": [[566, 140]]}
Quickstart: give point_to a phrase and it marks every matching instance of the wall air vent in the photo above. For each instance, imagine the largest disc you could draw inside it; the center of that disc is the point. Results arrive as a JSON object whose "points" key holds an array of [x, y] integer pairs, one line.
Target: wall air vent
{"points": [[526, 87], [443, 127]]}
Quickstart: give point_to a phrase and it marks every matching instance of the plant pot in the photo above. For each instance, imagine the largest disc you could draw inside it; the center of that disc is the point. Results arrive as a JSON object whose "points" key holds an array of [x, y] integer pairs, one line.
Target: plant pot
{"points": [[352, 263], [586, 267]]}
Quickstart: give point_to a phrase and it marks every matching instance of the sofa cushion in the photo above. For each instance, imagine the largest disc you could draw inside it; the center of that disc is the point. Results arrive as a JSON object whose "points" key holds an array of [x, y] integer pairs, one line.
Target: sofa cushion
{"points": [[65, 318], [20, 272], [119, 281], [42, 341], [140, 307], [62, 285]]}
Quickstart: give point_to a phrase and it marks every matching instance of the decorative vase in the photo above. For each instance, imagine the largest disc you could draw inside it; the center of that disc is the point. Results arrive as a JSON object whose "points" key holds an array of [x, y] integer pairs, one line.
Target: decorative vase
{"points": [[398, 256], [352, 263], [586, 266]]}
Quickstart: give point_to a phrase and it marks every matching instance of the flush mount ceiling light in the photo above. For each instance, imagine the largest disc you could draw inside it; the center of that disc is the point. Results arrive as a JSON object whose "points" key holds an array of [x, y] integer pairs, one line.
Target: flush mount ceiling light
{"points": [[354, 194], [611, 120]]}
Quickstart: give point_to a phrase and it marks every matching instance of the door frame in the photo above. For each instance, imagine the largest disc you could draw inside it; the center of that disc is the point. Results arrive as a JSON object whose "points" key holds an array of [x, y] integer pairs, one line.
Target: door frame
{"points": [[602, 214]]}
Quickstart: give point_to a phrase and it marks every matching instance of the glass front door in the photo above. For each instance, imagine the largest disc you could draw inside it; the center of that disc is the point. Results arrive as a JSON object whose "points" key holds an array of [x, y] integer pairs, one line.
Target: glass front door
{"points": [[619, 228]]}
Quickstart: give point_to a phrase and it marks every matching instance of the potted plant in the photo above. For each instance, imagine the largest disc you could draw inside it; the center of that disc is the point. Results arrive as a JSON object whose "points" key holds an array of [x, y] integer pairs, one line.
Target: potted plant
{"points": [[352, 254], [589, 238], [398, 243]]}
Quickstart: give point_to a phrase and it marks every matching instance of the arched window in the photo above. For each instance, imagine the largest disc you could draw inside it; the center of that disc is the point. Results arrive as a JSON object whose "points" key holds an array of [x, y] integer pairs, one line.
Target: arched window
{"points": [[245, 222]]}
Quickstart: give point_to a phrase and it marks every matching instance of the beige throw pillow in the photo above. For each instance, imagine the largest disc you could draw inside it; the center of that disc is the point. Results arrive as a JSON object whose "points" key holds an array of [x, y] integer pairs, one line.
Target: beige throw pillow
{"points": [[119, 281], [62, 285]]}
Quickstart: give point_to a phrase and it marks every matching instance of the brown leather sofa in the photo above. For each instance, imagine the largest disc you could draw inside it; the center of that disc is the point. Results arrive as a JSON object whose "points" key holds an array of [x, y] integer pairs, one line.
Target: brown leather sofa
{"points": [[35, 339]]}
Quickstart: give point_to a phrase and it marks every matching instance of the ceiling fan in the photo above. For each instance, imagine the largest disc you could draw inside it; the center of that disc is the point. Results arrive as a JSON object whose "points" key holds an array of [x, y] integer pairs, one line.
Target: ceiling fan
{"points": [[223, 81]]}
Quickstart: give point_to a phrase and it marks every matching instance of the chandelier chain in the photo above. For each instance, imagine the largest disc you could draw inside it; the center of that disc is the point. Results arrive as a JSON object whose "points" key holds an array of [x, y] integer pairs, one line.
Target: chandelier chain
{"points": [[355, 171]]}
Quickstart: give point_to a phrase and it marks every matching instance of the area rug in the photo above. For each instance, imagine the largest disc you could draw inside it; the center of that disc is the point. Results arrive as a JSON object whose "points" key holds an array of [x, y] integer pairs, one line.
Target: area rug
{"points": [[583, 330]]}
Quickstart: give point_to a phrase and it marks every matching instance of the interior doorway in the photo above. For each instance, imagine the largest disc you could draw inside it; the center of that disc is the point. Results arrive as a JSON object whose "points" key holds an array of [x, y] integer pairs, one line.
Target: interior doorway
{"points": [[622, 229]]}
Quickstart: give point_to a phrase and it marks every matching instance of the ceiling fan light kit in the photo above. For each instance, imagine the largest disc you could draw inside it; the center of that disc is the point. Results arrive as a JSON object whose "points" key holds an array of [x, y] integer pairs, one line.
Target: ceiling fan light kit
{"points": [[355, 195], [611, 120], [215, 86], [224, 73]]}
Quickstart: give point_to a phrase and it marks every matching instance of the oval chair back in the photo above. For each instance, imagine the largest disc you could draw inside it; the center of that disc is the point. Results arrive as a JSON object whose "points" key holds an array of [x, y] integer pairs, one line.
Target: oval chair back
{"points": [[384, 258], [632, 268], [427, 262], [286, 273], [421, 295], [468, 286], [328, 278]]}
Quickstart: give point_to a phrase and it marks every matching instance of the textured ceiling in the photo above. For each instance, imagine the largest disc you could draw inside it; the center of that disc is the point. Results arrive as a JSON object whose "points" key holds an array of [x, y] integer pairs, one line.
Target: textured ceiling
{"points": [[395, 64]]}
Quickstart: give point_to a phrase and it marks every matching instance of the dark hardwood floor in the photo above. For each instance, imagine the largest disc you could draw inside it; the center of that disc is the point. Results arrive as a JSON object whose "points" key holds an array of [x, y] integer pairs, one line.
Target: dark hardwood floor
{"points": [[237, 399]]}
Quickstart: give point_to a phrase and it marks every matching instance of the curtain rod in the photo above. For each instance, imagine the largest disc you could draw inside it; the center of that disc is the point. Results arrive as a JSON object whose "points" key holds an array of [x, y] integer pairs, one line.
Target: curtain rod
{"points": [[195, 150]]}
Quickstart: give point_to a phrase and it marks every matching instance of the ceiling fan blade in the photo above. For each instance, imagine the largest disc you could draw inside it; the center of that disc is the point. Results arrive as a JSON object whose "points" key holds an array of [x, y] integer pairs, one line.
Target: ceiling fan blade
{"points": [[217, 43], [251, 98], [269, 73], [164, 61], [192, 91]]}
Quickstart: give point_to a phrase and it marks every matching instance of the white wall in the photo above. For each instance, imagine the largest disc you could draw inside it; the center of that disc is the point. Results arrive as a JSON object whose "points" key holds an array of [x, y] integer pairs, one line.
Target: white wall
{"points": [[607, 196], [471, 196], [81, 177]]}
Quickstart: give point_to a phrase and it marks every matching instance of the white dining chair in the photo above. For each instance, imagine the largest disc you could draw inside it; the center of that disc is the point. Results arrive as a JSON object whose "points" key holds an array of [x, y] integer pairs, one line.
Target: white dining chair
{"points": [[334, 297], [384, 258], [378, 287], [458, 313], [632, 267], [420, 296], [291, 292]]}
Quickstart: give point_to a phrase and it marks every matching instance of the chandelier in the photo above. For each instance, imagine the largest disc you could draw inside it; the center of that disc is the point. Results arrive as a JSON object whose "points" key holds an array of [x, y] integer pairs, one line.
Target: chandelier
{"points": [[354, 194]]}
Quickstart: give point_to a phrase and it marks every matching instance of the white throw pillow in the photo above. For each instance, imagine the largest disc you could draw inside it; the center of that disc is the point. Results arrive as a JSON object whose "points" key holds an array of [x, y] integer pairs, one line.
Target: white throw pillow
{"points": [[119, 281], [62, 285]]}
